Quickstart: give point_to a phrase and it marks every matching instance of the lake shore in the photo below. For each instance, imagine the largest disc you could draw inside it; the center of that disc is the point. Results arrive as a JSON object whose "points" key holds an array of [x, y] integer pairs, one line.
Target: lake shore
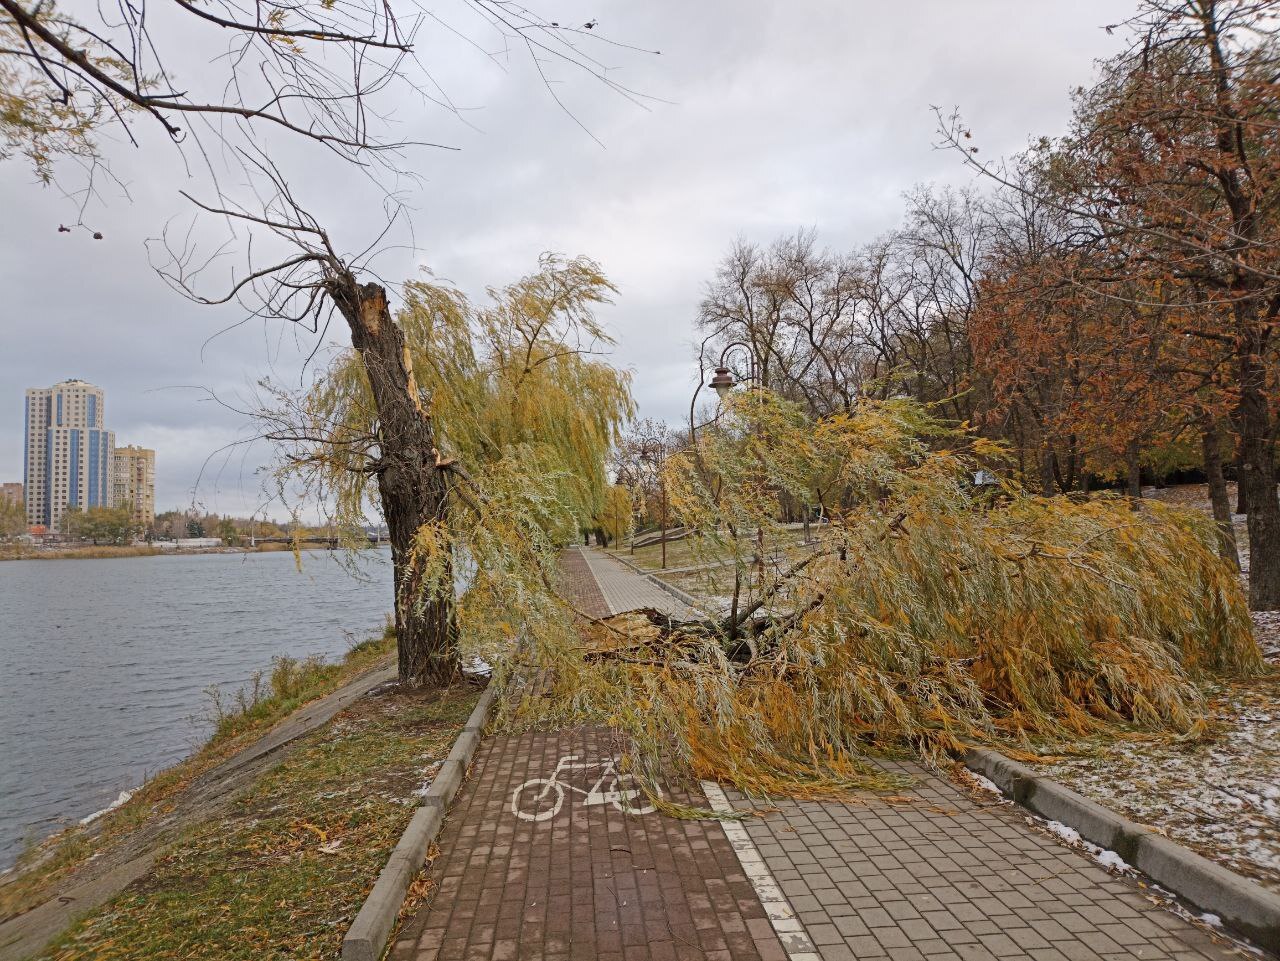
{"points": [[113, 675], [100, 855], [111, 551]]}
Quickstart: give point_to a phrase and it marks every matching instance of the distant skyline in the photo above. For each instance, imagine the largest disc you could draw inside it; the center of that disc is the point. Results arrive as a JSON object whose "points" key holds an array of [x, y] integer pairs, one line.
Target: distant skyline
{"points": [[778, 117]]}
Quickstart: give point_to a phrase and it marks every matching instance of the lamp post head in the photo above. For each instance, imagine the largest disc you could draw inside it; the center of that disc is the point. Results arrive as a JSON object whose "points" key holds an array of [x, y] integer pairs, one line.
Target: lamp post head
{"points": [[722, 382]]}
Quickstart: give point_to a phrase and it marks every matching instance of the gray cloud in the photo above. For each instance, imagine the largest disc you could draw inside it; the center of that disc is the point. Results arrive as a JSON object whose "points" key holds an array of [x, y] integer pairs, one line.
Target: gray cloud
{"points": [[778, 116]]}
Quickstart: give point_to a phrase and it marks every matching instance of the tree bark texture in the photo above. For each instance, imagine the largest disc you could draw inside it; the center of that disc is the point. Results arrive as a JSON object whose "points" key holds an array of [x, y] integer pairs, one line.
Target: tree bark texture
{"points": [[1242, 502], [1048, 468], [413, 490], [1133, 471], [1211, 443], [1254, 423]]}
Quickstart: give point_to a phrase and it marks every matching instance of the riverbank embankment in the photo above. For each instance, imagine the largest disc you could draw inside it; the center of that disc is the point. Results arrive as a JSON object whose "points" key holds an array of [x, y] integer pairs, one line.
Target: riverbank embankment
{"points": [[204, 797], [108, 551]]}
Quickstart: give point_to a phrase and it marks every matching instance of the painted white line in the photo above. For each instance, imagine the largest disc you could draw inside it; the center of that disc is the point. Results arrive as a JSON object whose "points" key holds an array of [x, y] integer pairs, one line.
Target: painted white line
{"points": [[781, 915]]}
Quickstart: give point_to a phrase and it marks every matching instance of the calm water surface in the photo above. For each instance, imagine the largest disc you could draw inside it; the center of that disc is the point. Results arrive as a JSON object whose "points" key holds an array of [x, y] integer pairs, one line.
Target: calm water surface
{"points": [[104, 663]]}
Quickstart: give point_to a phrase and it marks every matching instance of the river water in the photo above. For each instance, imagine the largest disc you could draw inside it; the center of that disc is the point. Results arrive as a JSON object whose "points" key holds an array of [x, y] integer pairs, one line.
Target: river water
{"points": [[104, 664]]}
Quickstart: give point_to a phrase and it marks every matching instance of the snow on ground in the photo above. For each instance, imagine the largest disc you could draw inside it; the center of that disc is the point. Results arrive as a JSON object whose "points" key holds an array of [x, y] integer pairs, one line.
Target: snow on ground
{"points": [[1220, 796], [1108, 859]]}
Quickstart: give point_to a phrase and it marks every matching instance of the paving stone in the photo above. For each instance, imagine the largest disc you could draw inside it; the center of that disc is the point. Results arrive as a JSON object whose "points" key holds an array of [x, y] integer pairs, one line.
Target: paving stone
{"points": [[589, 881], [622, 588], [943, 877]]}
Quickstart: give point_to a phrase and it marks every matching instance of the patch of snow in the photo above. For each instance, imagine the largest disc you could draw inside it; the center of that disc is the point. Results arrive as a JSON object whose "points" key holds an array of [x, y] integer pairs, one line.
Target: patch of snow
{"points": [[119, 801], [1070, 835], [1108, 859], [985, 784], [1211, 919], [429, 775]]}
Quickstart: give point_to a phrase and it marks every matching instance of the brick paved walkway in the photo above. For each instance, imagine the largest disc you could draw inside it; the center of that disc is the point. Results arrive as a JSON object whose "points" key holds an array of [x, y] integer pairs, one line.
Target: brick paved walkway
{"points": [[941, 876], [580, 582], [590, 881]]}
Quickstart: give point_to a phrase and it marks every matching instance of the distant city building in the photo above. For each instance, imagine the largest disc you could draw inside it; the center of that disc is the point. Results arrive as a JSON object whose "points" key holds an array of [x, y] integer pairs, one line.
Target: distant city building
{"points": [[133, 483], [68, 455], [11, 492]]}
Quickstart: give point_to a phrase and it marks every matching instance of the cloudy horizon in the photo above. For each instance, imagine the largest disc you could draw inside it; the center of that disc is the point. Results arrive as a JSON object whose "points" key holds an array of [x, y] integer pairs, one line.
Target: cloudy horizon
{"points": [[763, 121]]}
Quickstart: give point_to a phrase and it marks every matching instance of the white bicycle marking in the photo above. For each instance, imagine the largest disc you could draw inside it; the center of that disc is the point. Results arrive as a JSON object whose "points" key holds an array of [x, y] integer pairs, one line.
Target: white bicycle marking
{"points": [[528, 800]]}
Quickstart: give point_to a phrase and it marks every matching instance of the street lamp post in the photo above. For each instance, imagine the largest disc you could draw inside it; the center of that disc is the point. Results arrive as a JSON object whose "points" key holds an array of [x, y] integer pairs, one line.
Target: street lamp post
{"points": [[722, 383]]}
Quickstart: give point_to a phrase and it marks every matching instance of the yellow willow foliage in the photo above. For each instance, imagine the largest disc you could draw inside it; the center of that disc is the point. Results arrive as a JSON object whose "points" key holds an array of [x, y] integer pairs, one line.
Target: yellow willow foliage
{"points": [[519, 400], [46, 116], [520, 372], [617, 515], [925, 616]]}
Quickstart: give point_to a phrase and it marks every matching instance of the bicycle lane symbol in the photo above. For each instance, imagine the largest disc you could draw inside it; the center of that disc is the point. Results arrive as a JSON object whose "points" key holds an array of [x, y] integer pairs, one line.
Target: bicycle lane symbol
{"points": [[542, 798]]}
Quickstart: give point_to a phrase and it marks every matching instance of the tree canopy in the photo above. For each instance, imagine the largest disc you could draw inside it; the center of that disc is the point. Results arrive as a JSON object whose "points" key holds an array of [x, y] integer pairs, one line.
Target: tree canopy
{"points": [[927, 614], [1105, 301], [525, 415]]}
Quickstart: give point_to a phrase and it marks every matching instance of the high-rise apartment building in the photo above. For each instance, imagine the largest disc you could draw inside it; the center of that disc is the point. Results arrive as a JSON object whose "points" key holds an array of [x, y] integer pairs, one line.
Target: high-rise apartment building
{"points": [[68, 454], [11, 492], [133, 477]]}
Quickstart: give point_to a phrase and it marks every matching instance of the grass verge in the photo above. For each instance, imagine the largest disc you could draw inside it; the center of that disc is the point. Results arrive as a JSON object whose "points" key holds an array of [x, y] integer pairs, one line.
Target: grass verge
{"points": [[15, 552], [284, 872], [12, 552], [238, 722]]}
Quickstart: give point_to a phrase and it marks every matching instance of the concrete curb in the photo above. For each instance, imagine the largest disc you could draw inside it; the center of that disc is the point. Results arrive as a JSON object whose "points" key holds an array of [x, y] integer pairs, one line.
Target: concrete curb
{"points": [[367, 937], [684, 597], [1243, 905]]}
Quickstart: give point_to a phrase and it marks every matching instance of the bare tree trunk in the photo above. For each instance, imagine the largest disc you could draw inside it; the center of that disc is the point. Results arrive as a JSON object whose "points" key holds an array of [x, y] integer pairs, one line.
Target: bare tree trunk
{"points": [[1258, 482], [1073, 466], [1133, 466], [1211, 442], [1048, 487], [1242, 502], [413, 489]]}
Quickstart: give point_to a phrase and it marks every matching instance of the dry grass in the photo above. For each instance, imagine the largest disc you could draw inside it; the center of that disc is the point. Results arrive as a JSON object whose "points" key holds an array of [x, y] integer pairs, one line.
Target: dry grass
{"points": [[42, 868], [18, 553], [284, 872], [1219, 795]]}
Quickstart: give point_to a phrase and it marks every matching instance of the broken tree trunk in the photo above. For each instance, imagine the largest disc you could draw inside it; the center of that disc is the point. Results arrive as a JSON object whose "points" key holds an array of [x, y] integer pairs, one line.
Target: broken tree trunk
{"points": [[413, 490]]}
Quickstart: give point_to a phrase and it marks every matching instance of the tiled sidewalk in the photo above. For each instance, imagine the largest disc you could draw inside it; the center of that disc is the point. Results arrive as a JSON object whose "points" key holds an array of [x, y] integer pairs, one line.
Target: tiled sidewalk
{"points": [[625, 590], [946, 877], [580, 582], [543, 860]]}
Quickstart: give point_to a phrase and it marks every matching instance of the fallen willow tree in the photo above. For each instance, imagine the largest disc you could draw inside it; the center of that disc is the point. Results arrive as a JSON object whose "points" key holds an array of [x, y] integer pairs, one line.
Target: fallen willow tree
{"points": [[925, 616]]}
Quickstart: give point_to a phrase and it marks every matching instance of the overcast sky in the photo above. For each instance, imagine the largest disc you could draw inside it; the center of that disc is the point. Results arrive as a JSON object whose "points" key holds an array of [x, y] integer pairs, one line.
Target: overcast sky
{"points": [[776, 116]]}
